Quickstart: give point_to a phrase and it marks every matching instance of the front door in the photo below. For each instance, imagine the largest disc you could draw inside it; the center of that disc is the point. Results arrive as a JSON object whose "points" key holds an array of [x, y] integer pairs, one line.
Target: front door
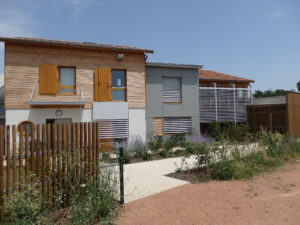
{"points": [[102, 85]]}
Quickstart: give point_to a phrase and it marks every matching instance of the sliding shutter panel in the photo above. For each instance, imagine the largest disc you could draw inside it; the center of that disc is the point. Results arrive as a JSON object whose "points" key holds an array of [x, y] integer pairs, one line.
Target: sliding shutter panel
{"points": [[105, 84], [172, 89], [174, 125], [48, 79], [113, 128]]}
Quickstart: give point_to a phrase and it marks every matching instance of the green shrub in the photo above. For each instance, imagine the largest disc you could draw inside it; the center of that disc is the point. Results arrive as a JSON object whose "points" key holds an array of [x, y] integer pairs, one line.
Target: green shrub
{"points": [[214, 130], [96, 202], [225, 169], [164, 153], [146, 155], [127, 156], [155, 143], [25, 207], [204, 155]]}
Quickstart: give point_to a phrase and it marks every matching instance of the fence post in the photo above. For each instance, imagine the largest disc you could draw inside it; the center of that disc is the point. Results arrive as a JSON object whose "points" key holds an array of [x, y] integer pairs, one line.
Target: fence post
{"points": [[121, 161]]}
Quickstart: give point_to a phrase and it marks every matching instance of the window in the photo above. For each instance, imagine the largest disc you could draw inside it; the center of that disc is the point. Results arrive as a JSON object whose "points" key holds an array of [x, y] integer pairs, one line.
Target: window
{"points": [[175, 125], [67, 80], [24, 124], [118, 89], [172, 89]]}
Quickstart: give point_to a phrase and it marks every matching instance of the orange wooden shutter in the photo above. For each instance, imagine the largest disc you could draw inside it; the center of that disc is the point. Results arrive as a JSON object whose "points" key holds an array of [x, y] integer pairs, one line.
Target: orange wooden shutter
{"points": [[105, 84], [48, 79]]}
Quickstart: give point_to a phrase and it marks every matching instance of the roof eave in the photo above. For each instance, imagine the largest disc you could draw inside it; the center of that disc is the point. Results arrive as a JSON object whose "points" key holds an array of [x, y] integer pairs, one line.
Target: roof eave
{"points": [[74, 45]]}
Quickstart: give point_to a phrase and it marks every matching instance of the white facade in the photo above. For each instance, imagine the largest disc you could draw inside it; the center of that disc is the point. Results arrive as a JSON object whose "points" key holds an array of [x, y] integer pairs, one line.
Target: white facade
{"points": [[137, 120], [137, 125]]}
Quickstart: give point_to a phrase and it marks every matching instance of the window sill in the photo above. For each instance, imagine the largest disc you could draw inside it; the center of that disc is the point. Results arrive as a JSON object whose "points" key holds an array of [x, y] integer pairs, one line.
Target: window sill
{"points": [[172, 102]]}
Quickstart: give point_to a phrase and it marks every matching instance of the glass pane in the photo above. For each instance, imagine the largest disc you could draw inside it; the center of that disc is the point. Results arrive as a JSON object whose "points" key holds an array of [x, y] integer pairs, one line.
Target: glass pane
{"points": [[118, 78], [67, 76], [171, 83], [67, 91], [118, 95]]}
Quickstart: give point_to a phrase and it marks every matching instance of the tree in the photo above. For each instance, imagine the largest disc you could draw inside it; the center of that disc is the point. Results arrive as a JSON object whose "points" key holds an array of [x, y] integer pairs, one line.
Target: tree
{"points": [[298, 85], [268, 93]]}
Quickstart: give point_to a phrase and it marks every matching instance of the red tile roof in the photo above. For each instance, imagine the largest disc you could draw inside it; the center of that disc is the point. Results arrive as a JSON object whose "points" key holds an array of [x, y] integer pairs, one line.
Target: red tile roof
{"points": [[210, 75], [72, 43]]}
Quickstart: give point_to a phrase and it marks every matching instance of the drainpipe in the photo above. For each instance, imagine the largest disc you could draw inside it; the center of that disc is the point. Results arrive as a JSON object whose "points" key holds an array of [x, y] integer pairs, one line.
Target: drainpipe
{"points": [[216, 101], [234, 103]]}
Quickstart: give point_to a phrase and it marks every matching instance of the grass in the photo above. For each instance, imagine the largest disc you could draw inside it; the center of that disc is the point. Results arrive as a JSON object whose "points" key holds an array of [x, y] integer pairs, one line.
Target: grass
{"points": [[231, 162]]}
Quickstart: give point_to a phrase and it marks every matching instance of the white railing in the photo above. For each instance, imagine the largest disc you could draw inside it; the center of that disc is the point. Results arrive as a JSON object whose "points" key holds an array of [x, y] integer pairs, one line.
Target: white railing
{"points": [[224, 104]]}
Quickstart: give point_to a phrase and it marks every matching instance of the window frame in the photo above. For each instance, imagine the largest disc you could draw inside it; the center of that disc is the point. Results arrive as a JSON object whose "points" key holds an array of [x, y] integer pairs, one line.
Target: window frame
{"points": [[167, 77], [66, 87], [119, 88]]}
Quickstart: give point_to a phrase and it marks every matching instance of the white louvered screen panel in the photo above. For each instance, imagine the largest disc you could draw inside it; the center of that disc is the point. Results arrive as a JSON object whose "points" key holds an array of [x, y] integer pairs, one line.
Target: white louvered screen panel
{"points": [[171, 89], [172, 125], [226, 109], [113, 128]]}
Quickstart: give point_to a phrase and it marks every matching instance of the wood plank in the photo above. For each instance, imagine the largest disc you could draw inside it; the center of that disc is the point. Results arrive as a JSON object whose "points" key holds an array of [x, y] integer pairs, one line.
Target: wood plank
{"points": [[85, 152], [53, 163], [1, 174], [21, 139], [8, 161], [44, 160], [32, 136], [27, 154], [14, 134], [49, 164], [38, 155], [64, 184], [81, 152], [90, 149], [59, 160], [77, 150]]}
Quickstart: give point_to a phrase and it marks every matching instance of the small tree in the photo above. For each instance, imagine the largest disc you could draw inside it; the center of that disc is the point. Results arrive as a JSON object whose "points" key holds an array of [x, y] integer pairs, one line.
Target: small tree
{"points": [[298, 85]]}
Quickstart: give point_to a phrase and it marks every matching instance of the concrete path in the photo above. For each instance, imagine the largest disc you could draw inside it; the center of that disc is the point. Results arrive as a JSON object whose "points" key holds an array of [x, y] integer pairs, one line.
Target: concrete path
{"points": [[147, 178]]}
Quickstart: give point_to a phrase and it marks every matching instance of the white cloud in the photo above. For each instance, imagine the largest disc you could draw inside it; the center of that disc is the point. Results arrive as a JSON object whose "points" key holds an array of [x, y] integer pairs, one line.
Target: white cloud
{"points": [[277, 14]]}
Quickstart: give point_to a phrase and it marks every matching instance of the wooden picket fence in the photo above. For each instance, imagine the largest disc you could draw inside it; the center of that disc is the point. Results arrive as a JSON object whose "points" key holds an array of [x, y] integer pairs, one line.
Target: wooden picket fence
{"points": [[36, 157]]}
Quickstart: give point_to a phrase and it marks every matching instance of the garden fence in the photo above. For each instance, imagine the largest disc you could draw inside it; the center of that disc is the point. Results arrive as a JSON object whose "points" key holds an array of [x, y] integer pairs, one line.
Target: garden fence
{"points": [[45, 155]]}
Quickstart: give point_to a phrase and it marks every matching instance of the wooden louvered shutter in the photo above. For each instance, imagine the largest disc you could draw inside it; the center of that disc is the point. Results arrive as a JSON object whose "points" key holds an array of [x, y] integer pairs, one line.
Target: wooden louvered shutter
{"points": [[48, 79]]}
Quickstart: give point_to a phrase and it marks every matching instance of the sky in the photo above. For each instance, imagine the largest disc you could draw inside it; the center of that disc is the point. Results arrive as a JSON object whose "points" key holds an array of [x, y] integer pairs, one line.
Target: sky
{"points": [[255, 39]]}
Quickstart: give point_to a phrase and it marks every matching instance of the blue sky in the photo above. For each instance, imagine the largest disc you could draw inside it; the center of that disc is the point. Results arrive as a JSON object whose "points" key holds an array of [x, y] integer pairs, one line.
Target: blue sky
{"points": [[257, 39]]}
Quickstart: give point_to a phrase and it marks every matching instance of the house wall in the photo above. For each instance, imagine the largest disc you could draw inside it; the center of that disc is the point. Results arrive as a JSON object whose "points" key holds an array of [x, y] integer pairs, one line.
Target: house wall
{"points": [[155, 108], [22, 72]]}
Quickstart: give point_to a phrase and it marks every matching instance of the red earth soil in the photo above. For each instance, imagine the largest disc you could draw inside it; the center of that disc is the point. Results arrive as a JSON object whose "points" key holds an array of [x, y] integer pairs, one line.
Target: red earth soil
{"points": [[271, 198]]}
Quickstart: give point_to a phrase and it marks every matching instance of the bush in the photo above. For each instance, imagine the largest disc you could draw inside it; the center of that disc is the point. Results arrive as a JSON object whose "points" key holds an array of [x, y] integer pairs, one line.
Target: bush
{"points": [[127, 156], [96, 202], [225, 169], [146, 156], [229, 131], [156, 143], [25, 207], [164, 153]]}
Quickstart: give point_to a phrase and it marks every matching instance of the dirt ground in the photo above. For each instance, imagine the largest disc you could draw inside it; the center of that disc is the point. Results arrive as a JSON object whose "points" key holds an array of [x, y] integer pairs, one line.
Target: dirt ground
{"points": [[271, 198]]}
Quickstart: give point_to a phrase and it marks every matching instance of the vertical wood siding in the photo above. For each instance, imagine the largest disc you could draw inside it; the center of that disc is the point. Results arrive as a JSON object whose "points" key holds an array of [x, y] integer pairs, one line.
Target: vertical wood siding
{"points": [[158, 126], [22, 72]]}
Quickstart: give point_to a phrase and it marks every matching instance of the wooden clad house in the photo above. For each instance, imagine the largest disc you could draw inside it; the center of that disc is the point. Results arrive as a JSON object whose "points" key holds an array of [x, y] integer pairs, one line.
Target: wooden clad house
{"points": [[223, 97], [52, 81]]}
